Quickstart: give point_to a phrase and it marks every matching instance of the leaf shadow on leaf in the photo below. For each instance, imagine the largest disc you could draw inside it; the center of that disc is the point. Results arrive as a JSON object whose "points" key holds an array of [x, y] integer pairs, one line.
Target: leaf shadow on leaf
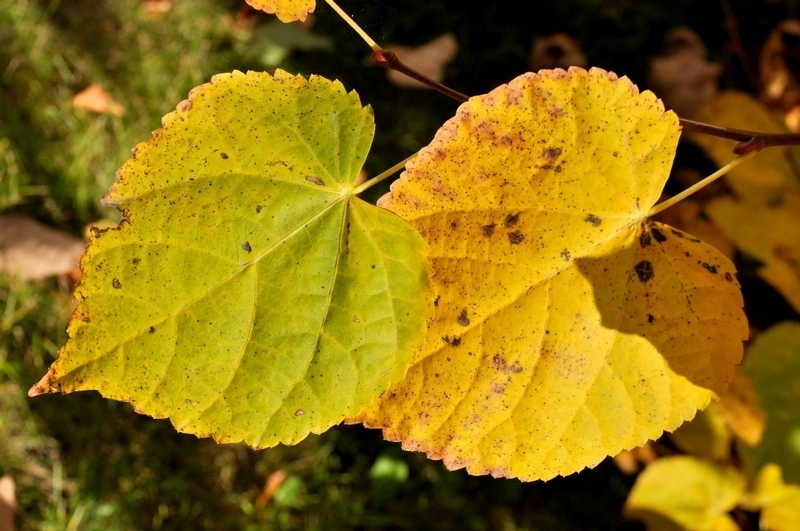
{"points": [[679, 295]]}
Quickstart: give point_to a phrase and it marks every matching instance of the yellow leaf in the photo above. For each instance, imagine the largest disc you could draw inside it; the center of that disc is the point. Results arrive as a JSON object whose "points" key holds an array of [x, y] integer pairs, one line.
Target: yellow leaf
{"points": [[778, 502], [741, 410], [567, 327], [769, 174], [285, 10], [685, 493], [768, 231]]}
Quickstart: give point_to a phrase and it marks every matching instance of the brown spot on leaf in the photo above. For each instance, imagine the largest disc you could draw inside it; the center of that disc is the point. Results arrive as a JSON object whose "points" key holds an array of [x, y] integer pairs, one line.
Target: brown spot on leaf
{"points": [[299, 413], [436, 300], [644, 270], [511, 220], [516, 237], [152, 330], [551, 154], [315, 180], [497, 388], [728, 276], [116, 283], [644, 239], [463, 320], [594, 220], [259, 208], [565, 254], [658, 235], [500, 364], [488, 230], [650, 318], [224, 156], [710, 268], [453, 341], [246, 247]]}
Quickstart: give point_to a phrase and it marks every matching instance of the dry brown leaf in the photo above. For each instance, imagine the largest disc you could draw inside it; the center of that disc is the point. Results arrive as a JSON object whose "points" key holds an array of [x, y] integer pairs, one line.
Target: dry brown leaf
{"points": [[33, 251], [274, 482], [8, 503], [780, 85], [95, 99], [155, 9], [740, 408], [556, 51], [629, 461], [683, 78], [429, 59]]}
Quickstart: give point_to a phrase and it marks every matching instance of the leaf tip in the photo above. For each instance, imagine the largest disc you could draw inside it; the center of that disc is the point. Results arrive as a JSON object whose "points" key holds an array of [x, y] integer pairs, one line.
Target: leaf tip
{"points": [[43, 386]]}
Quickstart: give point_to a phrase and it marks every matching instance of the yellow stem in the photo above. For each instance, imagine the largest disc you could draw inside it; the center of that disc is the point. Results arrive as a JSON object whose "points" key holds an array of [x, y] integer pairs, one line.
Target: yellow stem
{"points": [[378, 178], [372, 44], [705, 182]]}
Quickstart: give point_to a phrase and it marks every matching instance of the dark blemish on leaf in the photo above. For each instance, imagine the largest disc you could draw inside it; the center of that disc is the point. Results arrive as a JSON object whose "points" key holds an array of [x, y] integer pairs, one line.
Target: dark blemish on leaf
{"points": [[644, 270], [116, 283], [299, 413], [224, 156], [557, 169], [356, 319], [658, 235], [453, 341], [511, 220], [710, 268], [152, 329], [694, 240], [616, 154], [436, 301], [728, 276], [259, 208], [453, 225], [246, 247], [650, 318], [677, 233], [501, 365], [462, 318], [565, 255], [551, 154], [488, 230], [516, 237], [687, 253], [644, 239], [315, 180], [594, 220]]}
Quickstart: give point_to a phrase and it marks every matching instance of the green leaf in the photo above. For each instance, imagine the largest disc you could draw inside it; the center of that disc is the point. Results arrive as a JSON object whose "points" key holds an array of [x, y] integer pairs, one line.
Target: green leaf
{"points": [[773, 366], [248, 295]]}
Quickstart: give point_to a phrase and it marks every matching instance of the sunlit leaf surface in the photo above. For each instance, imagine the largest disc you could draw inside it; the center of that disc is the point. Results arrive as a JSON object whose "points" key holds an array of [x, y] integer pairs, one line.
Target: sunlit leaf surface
{"points": [[248, 295], [567, 327], [285, 10]]}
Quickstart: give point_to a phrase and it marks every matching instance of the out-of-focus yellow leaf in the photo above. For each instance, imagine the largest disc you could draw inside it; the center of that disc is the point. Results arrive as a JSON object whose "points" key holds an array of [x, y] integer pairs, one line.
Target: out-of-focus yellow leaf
{"points": [[707, 435], [778, 502], [768, 231], [285, 10], [773, 366], [685, 493], [567, 327], [741, 409], [766, 176]]}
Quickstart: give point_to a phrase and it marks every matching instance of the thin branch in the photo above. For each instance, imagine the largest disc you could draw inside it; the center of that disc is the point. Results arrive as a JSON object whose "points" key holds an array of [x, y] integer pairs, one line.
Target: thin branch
{"points": [[378, 178], [371, 43], [389, 60], [702, 184]]}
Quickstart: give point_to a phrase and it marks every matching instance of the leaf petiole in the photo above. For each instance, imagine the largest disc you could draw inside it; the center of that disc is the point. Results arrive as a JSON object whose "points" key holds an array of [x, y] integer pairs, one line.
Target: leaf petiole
{"points": [[378, 178], [372, 44], [705, 182]]}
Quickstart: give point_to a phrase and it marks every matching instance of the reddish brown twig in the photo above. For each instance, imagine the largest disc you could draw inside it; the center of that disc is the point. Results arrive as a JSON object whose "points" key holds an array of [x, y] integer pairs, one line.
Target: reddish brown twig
{"points": [[749, 141]]}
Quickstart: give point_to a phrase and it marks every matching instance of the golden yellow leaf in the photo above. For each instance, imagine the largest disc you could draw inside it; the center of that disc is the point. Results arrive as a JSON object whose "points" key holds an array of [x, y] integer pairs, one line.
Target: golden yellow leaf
{"points": [[767, 175], [686, 493], [768, 231], [778, 502], [567, 327], [285, 10], [741, 410]]}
